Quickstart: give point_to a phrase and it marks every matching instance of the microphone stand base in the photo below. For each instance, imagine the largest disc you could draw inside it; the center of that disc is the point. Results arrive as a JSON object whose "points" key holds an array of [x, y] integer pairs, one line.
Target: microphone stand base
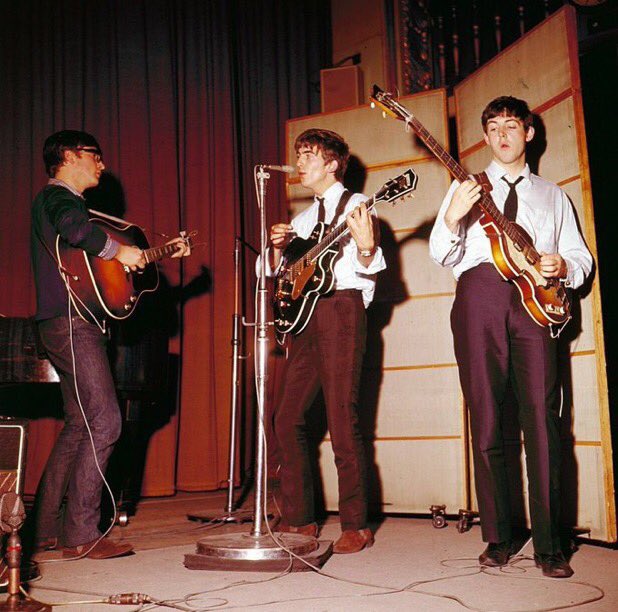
{"points": [[246, 552], [16, 603], [236, 516]]}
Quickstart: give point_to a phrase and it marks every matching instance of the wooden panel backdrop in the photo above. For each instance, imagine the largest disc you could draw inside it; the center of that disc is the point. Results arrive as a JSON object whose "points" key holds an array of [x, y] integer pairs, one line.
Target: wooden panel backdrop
{"points": [[410, 401], [542, 68]]}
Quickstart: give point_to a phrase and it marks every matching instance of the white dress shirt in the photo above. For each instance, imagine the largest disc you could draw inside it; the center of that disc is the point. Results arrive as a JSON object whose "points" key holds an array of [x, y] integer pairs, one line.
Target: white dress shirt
{"points": [[349, 272], [544, 211]]}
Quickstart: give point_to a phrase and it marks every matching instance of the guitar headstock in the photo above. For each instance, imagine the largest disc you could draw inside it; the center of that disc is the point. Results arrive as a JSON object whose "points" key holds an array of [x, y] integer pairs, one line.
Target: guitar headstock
{"points": [[389, 105], [397, 188]]}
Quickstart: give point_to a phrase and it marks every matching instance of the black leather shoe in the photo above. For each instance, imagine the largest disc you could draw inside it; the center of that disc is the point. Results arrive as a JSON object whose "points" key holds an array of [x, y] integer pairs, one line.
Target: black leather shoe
{"points": [[554, 565], [496, 555]]}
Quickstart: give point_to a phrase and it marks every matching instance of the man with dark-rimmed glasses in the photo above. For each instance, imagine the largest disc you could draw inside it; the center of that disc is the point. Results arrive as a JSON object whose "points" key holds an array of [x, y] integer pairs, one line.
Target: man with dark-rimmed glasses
{"points": [[77, 349]]}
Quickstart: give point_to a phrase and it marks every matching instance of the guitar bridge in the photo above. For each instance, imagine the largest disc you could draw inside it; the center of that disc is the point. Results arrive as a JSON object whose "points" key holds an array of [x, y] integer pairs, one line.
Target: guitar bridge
{"points": [[555, 310]]}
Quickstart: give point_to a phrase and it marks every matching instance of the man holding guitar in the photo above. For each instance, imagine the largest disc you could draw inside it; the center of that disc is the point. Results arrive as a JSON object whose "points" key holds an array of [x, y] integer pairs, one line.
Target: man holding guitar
{"points": [[328, 353], [77, 348], [497, 342]]}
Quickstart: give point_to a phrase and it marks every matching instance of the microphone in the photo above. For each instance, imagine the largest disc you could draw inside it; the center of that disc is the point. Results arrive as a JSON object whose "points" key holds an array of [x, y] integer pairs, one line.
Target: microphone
{"points": [[286, 169]]}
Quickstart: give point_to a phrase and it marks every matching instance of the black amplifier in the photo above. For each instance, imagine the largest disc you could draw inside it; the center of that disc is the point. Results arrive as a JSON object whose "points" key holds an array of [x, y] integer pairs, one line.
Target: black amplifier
{"points": [[13, 434]]}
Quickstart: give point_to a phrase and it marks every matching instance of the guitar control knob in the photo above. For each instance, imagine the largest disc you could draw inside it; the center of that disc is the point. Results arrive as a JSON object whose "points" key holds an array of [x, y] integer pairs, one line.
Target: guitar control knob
{"points": [[128, 307], [133, 299]]}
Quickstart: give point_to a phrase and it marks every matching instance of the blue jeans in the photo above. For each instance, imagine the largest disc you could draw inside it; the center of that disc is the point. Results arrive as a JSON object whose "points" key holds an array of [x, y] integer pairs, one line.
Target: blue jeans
{"points": [[71, 469]]}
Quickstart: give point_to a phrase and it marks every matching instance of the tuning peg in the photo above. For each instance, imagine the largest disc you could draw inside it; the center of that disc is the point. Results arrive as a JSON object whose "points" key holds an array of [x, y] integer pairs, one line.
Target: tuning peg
{"points": [[383, 114], [372, 105]]}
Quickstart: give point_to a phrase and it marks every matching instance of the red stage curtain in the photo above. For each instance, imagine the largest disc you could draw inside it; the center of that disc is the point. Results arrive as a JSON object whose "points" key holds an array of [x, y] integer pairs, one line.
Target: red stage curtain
{"points": [[184, 97]]}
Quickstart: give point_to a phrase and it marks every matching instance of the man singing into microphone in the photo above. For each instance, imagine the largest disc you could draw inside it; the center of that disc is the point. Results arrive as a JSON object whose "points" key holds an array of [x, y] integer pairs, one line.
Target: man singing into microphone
{"points": [[328, 353]]}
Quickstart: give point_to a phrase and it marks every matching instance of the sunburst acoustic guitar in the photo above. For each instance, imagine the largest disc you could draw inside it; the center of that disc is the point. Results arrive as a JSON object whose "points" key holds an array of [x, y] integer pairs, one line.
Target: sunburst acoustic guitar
{"points": [[101, 289]]}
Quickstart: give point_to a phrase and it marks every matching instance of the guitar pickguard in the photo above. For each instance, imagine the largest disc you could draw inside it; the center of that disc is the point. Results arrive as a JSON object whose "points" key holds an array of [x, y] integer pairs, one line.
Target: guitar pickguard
{"points": [[301, 283]]}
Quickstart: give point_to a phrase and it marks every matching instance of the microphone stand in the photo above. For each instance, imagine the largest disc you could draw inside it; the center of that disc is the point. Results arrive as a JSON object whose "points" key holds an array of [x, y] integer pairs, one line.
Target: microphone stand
{"points": [[259, 550], [231, 514], [261, 374], [12, 516]]}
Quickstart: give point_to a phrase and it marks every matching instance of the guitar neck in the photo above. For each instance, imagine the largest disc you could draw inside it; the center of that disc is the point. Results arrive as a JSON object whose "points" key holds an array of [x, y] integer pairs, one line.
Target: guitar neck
{"points": [[160, 252], [485, 203]]}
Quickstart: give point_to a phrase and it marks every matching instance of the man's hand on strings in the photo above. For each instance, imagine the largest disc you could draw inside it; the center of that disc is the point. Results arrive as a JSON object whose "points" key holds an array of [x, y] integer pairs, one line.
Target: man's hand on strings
{"points": [[131, 256], [553, 265], [281, 234]]}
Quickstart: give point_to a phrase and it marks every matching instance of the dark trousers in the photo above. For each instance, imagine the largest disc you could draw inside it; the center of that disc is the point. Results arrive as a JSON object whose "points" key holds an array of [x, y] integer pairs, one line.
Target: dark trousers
{"points": [[71, 469], [497, 341], [328, 353]]}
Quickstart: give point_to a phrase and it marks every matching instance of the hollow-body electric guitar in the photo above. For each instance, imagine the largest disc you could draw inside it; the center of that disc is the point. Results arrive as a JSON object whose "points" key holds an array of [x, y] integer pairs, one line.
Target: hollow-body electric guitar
{"points": [[306, 272], [512, 249], [101, 288]]}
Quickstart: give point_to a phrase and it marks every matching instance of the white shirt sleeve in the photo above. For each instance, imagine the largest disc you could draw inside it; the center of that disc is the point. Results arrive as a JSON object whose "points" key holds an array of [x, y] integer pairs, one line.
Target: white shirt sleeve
{"points": [[445, 247]]}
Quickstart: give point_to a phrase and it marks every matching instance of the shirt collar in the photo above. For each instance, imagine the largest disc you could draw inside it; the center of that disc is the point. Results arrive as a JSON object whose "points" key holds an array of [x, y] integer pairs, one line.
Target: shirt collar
{"points": [[332, 194], [495, 172], [59, 183]]}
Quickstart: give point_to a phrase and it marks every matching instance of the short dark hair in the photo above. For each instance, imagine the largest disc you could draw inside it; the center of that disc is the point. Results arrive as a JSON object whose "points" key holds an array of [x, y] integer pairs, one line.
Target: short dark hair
{"points": [[508, 106], [66, 140], [331, 144]]}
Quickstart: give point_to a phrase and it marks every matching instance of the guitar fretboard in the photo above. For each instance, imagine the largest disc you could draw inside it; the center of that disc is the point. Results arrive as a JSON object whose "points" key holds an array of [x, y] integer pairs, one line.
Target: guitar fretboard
{"points": [[156, 253]]}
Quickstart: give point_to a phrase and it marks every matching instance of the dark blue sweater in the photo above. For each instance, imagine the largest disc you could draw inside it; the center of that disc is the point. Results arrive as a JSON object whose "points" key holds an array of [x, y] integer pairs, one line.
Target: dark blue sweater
{"points": [[57, 211]]}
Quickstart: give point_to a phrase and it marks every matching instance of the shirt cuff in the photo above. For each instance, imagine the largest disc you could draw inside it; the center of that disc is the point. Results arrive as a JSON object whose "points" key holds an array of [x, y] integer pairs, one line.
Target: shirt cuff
{"points": [[446, 236], [110, 249], [377, 263]]}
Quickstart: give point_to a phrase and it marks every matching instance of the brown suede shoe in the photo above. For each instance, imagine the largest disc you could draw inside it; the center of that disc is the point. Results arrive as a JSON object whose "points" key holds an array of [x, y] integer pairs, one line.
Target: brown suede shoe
{"points": [[352, 541], [309, 530], [104, 549]]}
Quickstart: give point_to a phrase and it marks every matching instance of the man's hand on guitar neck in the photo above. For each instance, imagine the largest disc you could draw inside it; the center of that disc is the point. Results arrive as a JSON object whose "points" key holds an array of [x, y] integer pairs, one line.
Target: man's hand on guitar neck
{"points": [[131, 257], [361, 225], [464, 198], [184, 248]]}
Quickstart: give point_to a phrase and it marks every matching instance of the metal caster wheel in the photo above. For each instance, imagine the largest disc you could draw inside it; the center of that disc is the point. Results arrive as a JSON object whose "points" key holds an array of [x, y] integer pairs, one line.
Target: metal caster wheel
{"points": [[464, 523], [438, 516]]}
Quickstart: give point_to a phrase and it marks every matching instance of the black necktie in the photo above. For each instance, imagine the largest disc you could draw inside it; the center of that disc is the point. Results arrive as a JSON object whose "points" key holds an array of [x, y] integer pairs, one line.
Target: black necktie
{"points": [[321, 210], [510, 204]]}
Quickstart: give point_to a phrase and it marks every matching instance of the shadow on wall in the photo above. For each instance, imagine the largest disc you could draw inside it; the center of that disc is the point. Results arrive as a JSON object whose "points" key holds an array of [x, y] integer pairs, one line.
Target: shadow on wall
{"points": [[145, 372]]}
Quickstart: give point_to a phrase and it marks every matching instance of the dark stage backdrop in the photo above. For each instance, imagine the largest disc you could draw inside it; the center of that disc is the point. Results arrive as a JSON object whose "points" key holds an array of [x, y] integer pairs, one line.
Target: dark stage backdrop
{"points": [[184, 97]]}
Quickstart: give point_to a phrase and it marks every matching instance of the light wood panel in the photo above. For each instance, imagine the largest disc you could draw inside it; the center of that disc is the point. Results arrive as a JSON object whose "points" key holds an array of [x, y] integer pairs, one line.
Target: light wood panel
{"points": [[411, 474]]}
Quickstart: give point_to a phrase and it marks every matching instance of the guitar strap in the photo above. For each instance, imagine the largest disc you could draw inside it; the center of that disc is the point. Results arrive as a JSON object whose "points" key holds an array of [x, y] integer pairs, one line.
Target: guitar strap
{"points": [[483, 180], [343, 201]]}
